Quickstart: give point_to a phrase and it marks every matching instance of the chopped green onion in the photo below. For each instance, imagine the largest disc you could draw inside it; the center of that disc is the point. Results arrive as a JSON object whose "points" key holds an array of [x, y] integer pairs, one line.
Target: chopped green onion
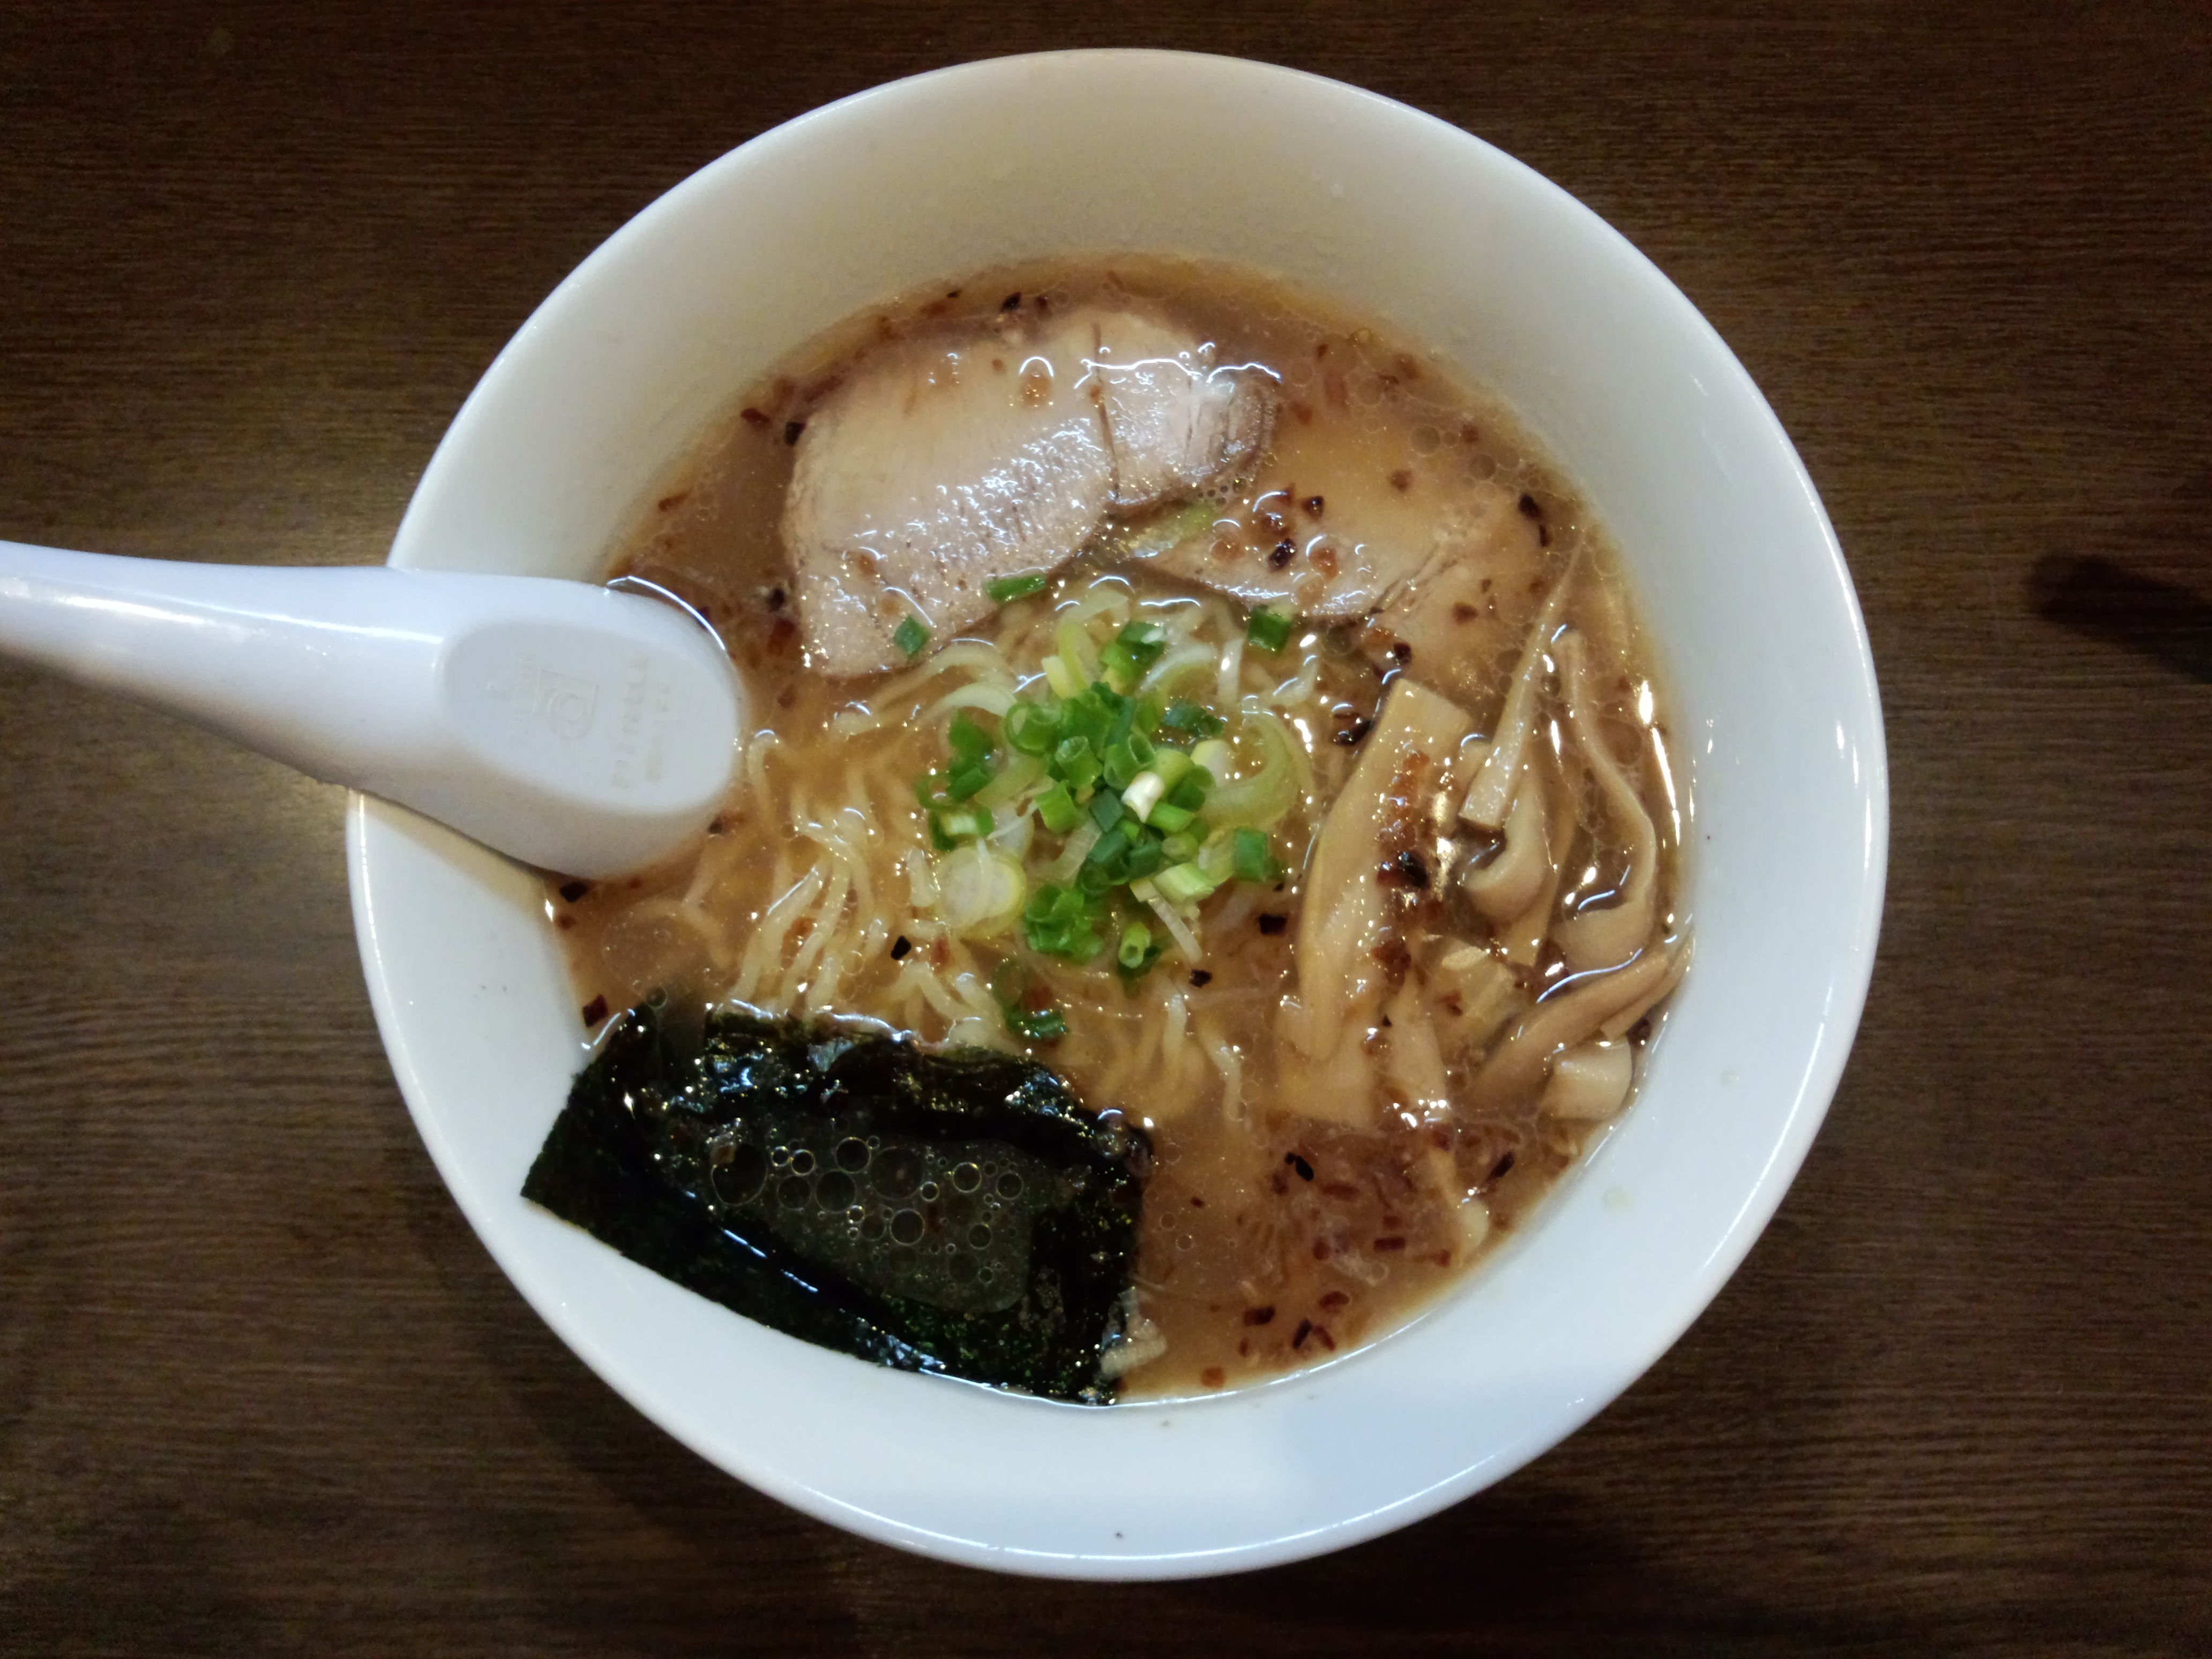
{"points": [[1057, 921], [1091, 717], [1145, 855], [1181, 884], [1131, 651], [1007, 589], [1144, 641], [1254, 860], [1268, 629], [948, 829], [1057, 810], [910, 636], [1217, 857], [1172, 765], [1169, 816], [1106, 809], [1112, 846], [1143, 793], [1076, 766], [1123, 763], [1045, 1024], [1136, 952], [1171, 528], [1082, 761], [970, 741], [1026, 1013], [1032, 729], [1192, 718]]}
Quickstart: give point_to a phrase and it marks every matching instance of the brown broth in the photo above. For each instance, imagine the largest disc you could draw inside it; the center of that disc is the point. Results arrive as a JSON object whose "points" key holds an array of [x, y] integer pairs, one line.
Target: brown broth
{"points": [[1270, 1240]]}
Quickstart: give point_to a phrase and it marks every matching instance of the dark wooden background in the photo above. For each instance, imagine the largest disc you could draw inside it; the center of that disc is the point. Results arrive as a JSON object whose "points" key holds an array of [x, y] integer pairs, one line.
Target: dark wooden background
{"points": [[262, 1392]]}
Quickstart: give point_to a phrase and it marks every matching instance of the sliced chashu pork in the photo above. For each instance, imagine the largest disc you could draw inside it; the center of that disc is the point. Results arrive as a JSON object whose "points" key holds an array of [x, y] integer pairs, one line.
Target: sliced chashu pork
{"points": [[1432, 554], [941, 466], [1177, 422]]}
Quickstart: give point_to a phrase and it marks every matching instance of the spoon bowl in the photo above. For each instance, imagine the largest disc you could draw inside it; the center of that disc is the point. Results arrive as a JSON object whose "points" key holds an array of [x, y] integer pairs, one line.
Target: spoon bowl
{"points": [[579, 730]]}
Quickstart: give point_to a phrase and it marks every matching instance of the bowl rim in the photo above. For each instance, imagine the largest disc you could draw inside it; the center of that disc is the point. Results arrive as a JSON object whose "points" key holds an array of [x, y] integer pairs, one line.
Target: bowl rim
{"points": [[372, 828]]}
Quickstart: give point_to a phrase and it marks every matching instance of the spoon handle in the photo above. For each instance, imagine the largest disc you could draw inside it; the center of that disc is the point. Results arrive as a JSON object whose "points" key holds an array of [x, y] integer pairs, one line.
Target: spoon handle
{"points": [[577, 729]]}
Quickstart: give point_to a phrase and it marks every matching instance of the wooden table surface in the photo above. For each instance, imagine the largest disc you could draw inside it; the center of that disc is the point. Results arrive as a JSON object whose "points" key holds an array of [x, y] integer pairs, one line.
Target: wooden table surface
{"points": [[262, 1391]]}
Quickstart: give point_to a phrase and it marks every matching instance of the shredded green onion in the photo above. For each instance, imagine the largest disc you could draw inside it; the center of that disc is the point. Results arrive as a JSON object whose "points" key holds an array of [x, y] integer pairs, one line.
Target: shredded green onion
{"points": [[910, 636], [1007, 589]]}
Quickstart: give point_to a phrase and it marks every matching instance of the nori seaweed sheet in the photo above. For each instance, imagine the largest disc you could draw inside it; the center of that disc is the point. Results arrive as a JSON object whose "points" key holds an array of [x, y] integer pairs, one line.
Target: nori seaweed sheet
{"points": [[960, 1212]]}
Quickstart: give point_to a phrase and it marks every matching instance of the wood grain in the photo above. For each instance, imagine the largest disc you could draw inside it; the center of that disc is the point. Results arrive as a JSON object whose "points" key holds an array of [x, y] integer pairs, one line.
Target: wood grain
{"points": [[261, 1391]]}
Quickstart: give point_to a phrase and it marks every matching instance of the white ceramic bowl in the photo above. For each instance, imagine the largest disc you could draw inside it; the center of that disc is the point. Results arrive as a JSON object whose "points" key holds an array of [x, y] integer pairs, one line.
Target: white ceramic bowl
{"points": [[1451, 243]]}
